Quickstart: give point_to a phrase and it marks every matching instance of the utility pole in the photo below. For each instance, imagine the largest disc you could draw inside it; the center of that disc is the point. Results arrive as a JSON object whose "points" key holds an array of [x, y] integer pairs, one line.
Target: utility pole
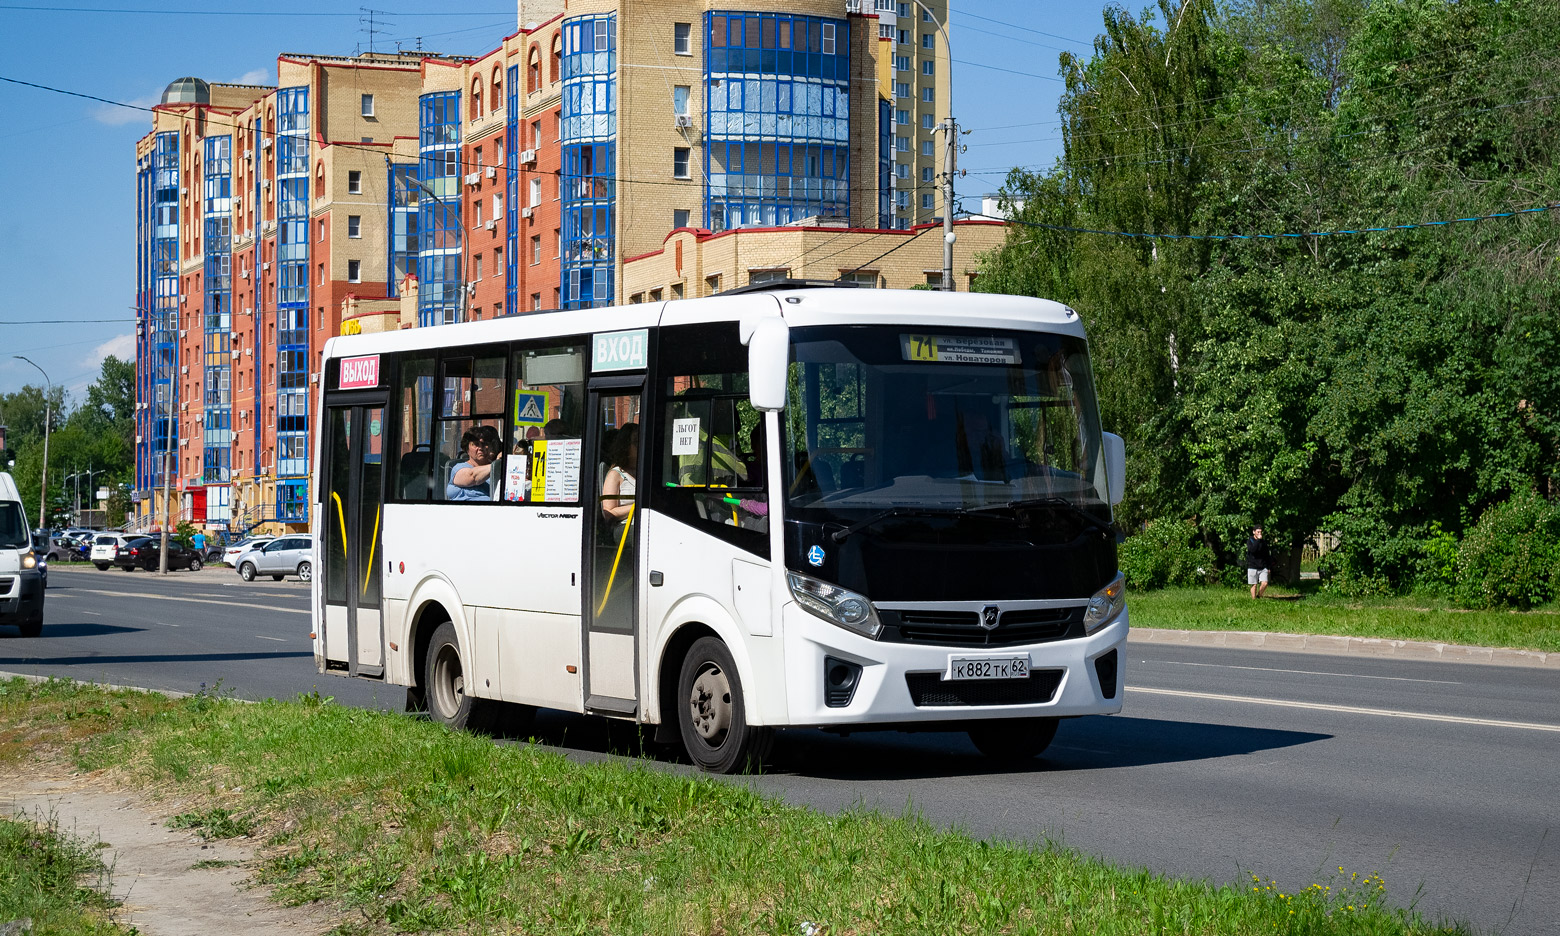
{"points": [[43, 481], [950, 128]]}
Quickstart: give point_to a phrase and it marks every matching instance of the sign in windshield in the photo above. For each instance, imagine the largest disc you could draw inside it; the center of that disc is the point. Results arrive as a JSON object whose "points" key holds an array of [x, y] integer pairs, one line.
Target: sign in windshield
{"points": [[960, 349]]}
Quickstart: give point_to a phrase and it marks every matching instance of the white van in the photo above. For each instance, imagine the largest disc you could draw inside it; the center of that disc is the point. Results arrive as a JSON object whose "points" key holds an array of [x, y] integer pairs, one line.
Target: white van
{"points": [[21, 581]]}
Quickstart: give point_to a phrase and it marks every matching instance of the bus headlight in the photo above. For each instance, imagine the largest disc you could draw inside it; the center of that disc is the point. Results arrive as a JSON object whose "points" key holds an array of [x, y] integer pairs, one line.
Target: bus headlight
{"points": [[835, 604], [1105, 605]]}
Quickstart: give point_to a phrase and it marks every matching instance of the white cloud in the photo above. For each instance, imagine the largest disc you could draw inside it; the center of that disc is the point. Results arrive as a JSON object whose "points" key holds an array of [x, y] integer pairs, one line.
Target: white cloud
{"points": [[258, 76], [116, 116], [122, 347]]}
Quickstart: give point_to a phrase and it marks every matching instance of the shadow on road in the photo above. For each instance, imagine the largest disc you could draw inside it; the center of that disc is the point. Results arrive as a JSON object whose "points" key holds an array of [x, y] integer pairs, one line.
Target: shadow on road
{"points": [[102, 658], [84, 629], [1095, 743]]}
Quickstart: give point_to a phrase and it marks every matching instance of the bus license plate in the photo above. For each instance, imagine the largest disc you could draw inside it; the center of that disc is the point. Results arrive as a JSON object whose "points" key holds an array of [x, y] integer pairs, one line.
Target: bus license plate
{"points": [[987, 668]]}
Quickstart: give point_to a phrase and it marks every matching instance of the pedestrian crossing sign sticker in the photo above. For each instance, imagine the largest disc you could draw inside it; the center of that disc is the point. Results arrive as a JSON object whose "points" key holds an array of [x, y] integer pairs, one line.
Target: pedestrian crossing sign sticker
{"points": [[530, 410]]}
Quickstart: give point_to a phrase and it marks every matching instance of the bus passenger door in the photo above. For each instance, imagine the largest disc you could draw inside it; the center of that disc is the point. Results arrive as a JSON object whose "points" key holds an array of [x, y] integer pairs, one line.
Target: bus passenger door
{"points": [[349, 539], [611, 551]]}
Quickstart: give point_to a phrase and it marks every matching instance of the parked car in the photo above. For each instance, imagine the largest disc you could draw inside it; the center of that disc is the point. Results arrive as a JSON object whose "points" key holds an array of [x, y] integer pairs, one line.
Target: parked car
{"points": [[105, 549], [145, 553], [128, 554], [234, 551], [283, 556]]}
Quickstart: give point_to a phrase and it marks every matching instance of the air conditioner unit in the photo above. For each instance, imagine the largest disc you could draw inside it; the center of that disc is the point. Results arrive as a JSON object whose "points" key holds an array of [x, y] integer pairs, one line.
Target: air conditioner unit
{"points": [[233, 335], [266, 183], [265, 142], [472, 178], [248, 155], [492, 225], [471, 289], [266, 265], [184, 333], [265, 470], [527, 211], [243, 274], [684, 122], [492, 172], [314, 378], [527, 156], [247, 352]]}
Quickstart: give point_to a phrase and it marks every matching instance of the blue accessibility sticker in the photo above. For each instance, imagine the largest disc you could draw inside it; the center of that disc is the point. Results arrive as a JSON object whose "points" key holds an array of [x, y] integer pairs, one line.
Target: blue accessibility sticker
{"points": [[815, 555]]}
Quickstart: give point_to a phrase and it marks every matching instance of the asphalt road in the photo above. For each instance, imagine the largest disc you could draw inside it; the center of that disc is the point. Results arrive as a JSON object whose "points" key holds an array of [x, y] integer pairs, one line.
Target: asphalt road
{"points": [[1440, 777]]}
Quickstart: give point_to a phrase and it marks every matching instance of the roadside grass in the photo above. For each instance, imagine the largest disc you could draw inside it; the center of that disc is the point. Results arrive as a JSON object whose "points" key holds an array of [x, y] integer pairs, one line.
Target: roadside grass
{"points": [[1308, 610], [54, 880], [404, 826]]}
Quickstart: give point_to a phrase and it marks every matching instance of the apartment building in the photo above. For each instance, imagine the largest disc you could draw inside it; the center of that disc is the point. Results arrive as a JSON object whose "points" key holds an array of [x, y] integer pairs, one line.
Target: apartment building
{"points": [[411, 190]]}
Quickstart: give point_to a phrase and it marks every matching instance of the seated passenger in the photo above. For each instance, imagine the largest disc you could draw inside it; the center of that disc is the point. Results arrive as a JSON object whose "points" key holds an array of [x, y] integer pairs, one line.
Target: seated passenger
{"points": [[472, 479]]}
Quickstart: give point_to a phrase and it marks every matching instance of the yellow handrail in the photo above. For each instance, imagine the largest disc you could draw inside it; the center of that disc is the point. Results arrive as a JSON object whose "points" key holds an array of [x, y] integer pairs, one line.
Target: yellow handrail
{"points": [[627, 525]]}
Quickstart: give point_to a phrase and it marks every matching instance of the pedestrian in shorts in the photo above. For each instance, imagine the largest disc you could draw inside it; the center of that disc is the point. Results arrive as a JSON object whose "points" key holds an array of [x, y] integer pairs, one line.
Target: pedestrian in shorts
{"points": [[1258, 562]]}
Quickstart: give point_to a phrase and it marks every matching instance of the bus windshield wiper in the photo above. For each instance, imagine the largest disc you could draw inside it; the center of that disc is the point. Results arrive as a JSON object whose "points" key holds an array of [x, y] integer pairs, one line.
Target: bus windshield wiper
{"points": [[1059, 503]]}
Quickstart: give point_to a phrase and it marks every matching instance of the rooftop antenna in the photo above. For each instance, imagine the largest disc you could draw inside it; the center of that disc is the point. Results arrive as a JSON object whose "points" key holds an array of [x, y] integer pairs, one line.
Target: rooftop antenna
{"points": [[372, 22]]}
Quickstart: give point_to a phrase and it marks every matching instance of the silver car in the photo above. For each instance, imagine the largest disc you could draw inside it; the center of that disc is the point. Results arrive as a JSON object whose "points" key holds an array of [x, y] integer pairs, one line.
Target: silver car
{"points": [[283, 556]]}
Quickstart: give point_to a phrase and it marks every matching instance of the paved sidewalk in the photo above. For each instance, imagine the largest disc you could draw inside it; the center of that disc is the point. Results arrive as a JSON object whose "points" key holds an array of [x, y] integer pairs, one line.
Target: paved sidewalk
{"points": [[1346, 646]]}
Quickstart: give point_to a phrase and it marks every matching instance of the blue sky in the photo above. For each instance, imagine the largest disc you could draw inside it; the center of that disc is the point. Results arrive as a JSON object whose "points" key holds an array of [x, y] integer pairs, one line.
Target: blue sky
{"points": [[67, 216]]}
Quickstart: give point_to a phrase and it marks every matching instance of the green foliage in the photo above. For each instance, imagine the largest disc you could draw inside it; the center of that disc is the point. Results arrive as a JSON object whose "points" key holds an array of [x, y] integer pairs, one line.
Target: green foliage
{"points": [[1511, 558], [1388, 386], [184, 533], [47, 878], [1167, 552]]}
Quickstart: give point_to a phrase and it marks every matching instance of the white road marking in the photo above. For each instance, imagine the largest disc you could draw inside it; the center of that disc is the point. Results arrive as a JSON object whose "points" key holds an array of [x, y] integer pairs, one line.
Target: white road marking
{"points": [[225, 604], [264, 637], [1349, 709], [1301, 672], [93, 613]]}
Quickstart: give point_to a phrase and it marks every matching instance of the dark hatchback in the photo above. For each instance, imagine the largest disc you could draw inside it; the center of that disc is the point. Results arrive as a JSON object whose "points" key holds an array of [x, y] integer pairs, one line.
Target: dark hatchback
{"points": [[142, 552]]}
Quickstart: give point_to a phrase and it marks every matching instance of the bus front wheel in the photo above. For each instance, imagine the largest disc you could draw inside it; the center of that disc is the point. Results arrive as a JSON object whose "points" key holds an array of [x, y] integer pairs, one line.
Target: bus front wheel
{"points": [[445, 684], [1013, 740], [712, 715]]}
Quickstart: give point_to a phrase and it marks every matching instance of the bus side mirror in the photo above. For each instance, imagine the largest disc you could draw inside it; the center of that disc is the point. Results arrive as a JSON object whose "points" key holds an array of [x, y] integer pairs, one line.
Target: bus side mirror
{"points": [[769, 353], [1115, 467]]}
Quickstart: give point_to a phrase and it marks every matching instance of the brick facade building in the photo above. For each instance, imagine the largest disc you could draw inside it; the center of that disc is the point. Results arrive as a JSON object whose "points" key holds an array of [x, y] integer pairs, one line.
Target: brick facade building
{"points": [[604, 152]]}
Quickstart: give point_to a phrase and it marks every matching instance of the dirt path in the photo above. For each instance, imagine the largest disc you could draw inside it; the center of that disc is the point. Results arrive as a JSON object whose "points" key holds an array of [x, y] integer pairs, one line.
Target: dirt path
{"points": [[154, 867]]}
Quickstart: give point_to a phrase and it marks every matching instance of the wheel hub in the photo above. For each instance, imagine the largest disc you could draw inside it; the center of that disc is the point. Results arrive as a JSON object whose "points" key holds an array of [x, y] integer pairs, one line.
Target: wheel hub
{"points": [[710, 702]]}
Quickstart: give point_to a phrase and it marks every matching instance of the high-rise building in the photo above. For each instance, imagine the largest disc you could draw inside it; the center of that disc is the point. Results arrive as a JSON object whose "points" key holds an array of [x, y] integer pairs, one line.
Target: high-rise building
{"points": [[604, 152]]}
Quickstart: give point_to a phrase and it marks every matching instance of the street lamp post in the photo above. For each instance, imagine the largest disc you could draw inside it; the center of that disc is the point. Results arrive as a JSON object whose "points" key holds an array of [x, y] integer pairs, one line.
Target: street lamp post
{"points": [[950, 157], [43, 481]]}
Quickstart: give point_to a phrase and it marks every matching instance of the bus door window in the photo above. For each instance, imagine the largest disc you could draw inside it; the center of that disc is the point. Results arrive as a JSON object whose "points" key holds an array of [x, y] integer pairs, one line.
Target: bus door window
{"points": [[337, 503], [415, 460], [547, 405], [614, 555], [711, 453]]}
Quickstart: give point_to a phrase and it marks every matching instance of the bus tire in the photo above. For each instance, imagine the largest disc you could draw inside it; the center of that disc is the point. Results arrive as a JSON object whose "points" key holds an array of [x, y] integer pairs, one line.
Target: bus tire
{"points": [[445, 685], [1013, 740], [712, 713]]}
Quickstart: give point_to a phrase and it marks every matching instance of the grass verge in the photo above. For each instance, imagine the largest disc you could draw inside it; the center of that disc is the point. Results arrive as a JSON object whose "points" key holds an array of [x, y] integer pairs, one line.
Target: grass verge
{"points": [[1310, 611], [54, 880], [404, 826]]}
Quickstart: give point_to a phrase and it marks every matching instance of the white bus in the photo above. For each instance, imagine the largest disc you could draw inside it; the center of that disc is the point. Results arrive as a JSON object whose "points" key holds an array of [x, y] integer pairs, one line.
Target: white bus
{"points": [[785, 507]]}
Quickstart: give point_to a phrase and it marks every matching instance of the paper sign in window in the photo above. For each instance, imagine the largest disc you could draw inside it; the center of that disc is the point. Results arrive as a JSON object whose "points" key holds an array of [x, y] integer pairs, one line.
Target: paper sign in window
{"points": [[555, 470], [685, 436]]}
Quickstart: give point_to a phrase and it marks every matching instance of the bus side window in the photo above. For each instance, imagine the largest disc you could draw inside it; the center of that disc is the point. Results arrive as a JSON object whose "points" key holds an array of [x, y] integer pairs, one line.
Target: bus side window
{"points": [[710, 455], [414, 470], [547, 404], [471, 399]]}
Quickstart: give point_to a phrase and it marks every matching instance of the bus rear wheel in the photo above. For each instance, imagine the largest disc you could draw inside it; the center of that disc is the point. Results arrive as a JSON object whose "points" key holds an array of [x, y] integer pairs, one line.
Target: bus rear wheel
{"points": [[1013, 740], [445, 685], [712, 713]]}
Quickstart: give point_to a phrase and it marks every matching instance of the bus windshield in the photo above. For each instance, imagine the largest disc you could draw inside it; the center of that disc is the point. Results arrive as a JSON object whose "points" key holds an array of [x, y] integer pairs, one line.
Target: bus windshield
{"points": [[943, 419]]}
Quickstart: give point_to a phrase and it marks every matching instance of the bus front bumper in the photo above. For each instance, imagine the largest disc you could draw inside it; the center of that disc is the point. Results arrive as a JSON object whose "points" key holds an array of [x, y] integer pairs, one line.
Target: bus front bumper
{"points": [[903, 685]]}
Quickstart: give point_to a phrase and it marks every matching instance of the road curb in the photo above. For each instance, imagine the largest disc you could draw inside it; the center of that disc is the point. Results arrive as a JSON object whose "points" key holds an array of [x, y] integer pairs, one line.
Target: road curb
{"points": [[1347, 646]]}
